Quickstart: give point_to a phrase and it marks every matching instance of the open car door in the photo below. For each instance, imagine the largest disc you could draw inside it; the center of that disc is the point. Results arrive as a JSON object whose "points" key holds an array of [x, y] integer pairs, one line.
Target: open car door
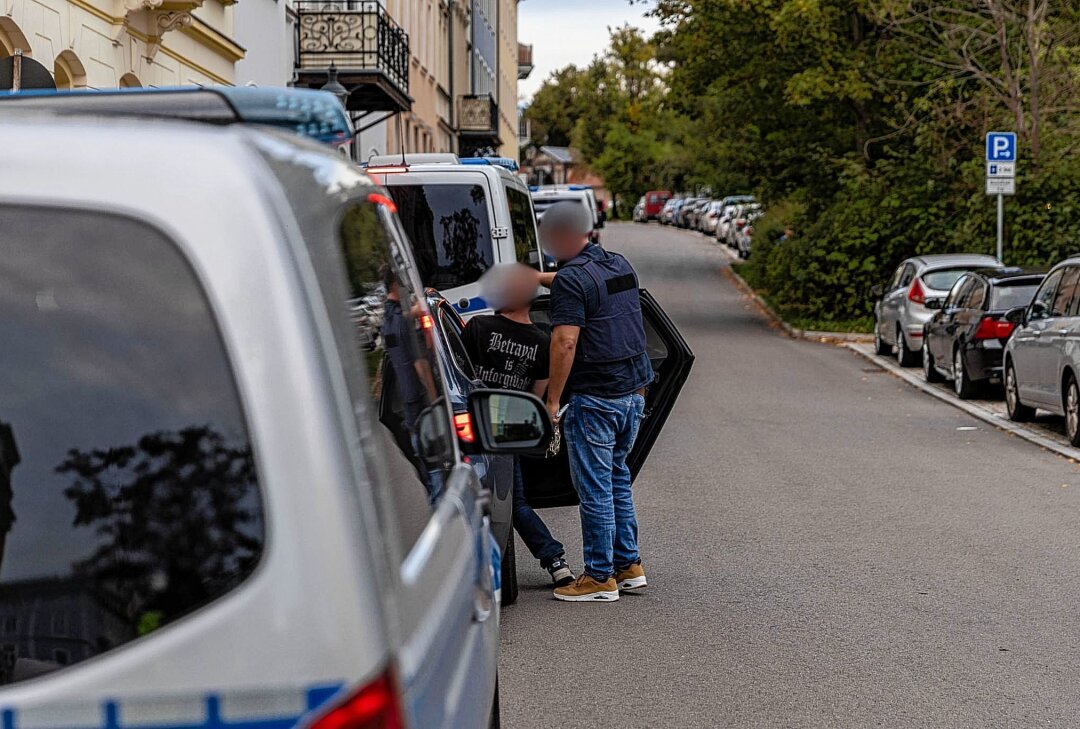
{"points": [[547, 481]]}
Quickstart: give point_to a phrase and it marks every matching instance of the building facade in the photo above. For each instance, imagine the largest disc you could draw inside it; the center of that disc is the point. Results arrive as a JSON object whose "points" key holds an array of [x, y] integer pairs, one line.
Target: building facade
{"points": [[102, 44], [267, 29]]}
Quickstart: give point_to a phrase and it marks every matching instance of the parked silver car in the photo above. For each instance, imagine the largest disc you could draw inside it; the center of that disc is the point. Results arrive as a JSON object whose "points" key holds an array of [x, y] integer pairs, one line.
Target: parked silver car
{"points": [[909, 299], [1042, 358]]}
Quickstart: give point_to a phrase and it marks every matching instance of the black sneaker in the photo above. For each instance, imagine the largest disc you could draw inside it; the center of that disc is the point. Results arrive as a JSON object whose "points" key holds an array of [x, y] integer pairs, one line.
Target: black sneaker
{"points": [[560, 572]]}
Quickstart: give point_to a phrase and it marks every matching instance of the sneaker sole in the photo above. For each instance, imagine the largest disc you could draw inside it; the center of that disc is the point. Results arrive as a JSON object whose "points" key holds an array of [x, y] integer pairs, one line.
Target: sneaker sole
{"points": [[605, 596], [562, 577], [634, 583]]}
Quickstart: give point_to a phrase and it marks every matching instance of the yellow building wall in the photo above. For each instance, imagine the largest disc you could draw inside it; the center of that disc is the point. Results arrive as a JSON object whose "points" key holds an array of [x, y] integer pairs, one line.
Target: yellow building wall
{"points": [[100, 44], [508, 80]]}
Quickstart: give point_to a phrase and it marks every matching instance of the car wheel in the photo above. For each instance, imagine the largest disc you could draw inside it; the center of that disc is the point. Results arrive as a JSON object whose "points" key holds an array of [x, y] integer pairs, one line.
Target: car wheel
{"points": [[1072, 411], [1018, 412], [904, 356], [881, 347], [509, 573], [962, 384], [495, 722], [929, 370]]}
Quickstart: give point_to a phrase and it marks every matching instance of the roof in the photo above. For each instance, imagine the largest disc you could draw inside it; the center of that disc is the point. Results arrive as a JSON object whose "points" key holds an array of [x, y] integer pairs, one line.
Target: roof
{"points": [[559, 154], [962, 259], [1004, 274]]}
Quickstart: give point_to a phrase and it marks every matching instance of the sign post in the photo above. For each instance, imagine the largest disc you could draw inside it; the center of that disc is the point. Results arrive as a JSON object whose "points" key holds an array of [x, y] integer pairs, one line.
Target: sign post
{"points": [[1000, 177]]}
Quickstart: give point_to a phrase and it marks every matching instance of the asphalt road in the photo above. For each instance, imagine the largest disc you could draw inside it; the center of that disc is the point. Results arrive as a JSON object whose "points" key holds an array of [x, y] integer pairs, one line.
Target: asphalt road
{"points": [[825, 547]]}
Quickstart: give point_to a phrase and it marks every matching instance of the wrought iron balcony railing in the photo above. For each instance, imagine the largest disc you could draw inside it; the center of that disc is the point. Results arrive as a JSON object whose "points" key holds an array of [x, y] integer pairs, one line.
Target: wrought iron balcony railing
{"points": [[360, 39]]}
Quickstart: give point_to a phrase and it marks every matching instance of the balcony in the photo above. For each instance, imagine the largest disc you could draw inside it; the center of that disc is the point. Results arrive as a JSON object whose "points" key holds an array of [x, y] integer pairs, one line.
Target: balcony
{"points": [[361, 40], [478, 125], [525, 61]]}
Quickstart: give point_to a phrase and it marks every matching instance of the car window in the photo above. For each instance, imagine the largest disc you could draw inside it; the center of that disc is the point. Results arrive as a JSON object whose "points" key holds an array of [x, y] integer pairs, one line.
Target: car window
{"points": [[942, 279], [1044, 297], [403, 370], [977, 295], [1006, 295], [451, 327], [1065, 292], [523, 226], [450, 230], [957, 293], [908, 275], [129, 495]]}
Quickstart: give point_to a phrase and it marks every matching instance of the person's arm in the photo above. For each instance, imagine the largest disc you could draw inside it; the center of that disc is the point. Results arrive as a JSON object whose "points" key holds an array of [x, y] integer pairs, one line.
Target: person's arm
{"points": [[564, 339], [539, 386], [544, 278], [423, 371]]}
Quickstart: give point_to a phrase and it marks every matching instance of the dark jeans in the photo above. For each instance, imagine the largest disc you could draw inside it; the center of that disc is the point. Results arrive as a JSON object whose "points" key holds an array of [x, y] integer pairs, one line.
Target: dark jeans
{"points": [[531, 527], [599, 433]]}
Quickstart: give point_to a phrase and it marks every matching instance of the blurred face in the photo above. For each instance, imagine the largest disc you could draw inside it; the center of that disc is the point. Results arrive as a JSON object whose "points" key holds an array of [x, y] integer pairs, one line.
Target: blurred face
{"points": [[520, 287], [563, 243]]}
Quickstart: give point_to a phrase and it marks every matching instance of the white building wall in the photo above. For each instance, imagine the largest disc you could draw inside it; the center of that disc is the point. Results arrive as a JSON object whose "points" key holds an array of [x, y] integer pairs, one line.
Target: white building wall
{"points": [[266, 29]]}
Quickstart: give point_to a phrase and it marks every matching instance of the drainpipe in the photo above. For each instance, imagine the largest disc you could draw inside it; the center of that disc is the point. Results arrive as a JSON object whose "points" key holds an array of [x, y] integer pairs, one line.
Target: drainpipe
{"points": [[450, 53]]}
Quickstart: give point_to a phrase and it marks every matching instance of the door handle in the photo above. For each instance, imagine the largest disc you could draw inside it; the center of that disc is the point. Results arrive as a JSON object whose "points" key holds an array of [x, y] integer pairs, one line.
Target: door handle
{"points": [[1061, 333]]}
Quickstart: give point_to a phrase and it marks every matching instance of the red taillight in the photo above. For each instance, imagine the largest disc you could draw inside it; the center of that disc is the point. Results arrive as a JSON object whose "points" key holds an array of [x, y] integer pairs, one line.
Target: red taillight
{"points": [[991, 328], [382, 200], [463, 424], [916, 292], [374, 706], [740, 223]]}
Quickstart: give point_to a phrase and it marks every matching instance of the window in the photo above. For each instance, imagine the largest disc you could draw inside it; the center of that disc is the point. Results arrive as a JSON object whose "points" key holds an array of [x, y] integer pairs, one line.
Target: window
{"points": [[61, 656], [59, 623], [451, 327], [403, 371], [523, 225], [957, 294], [450, 230], [128, 483], [1007, 295], [1065, 292], [943, 278], [977, 296], [1044, 297]]}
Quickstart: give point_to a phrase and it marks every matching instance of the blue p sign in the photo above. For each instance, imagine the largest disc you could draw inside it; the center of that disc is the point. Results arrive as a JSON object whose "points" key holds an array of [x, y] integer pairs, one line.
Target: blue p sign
{"points": [[1001, 147]]}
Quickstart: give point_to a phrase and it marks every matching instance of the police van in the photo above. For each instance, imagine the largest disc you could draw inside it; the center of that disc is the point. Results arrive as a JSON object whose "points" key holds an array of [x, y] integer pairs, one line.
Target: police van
{"points": [[212, 512], [463, 215], [547, 195]]}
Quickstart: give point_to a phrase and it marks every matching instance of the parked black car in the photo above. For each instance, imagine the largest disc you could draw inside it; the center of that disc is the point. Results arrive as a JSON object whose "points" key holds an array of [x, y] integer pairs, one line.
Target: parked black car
{"points": [[964, 340]]}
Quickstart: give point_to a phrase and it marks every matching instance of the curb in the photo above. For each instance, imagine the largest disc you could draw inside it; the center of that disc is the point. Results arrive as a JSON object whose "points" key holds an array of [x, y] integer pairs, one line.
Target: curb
{"points": [[980, 413], [793, 332]]}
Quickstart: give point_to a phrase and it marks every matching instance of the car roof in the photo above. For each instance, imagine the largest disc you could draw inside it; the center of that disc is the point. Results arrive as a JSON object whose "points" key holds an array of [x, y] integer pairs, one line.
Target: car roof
{"points": [[944, 260], [996, 274]]}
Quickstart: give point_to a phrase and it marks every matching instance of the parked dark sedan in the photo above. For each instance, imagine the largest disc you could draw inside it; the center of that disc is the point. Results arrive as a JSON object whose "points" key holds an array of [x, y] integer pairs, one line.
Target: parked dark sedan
{"points": [[964, 340]]}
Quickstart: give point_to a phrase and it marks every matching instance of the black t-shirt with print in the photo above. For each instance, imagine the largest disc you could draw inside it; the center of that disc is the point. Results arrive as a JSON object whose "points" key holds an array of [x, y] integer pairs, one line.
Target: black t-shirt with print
{"points": [[507, 354]]}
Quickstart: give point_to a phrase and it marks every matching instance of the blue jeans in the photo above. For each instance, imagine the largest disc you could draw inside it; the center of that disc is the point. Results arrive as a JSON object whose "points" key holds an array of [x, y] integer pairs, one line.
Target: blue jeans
{"points": [[599, 434], [531, 527]]}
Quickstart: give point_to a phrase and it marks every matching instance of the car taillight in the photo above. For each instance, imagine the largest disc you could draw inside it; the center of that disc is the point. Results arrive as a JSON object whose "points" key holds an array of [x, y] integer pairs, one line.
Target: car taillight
{"points": [[374, 706], [740, 223], [916, 293], [993, 328], [749, 230], [463, 425]]}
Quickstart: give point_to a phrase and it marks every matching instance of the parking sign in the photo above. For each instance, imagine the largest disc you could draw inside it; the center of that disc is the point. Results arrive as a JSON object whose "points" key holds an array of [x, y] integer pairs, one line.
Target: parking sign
{"points": [[1001, 147]]}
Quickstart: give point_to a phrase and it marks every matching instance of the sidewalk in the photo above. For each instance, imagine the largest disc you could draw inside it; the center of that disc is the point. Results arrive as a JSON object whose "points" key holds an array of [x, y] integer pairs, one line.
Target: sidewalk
{"points": [[1046, 430]]}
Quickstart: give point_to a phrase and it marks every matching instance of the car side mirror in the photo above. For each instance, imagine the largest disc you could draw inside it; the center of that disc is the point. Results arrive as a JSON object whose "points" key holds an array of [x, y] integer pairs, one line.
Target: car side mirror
{"points": [[877, 290], [934, 303], [1016, 315], [505, 421], [433, 435]]}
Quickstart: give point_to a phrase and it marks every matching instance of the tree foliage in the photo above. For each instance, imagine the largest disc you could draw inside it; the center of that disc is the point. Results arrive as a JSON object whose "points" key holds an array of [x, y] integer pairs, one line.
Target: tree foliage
{"points": [[862, 120]]}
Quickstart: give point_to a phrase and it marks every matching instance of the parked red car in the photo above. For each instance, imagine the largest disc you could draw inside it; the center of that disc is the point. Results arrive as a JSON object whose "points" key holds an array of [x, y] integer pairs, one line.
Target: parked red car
{"points": [[654, 203]]}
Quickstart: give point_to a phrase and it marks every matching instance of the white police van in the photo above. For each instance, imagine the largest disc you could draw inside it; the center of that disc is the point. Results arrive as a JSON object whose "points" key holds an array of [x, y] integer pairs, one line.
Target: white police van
{"points": [[547, 195], [211, 512], [463, 215]]}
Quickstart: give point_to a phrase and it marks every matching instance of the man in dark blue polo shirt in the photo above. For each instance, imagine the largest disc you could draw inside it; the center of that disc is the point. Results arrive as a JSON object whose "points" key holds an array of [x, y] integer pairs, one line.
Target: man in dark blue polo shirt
{"points": [[600, 369]]}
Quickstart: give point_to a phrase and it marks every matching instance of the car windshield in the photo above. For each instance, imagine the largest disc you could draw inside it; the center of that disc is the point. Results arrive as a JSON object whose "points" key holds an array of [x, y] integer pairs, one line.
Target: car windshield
{"points": [[943, 279], [541, 204], [1008, 295], [450, 230]]}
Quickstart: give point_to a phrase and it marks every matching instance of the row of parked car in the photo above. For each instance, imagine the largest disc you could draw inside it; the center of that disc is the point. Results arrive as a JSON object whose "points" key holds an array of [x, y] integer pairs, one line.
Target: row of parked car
{"points": [[271, 489], [971, 321], [729, 219]]}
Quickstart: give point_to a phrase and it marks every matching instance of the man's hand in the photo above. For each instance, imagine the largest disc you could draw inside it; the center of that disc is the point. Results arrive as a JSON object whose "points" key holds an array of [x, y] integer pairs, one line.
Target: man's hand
{"points": [[553, 410]]}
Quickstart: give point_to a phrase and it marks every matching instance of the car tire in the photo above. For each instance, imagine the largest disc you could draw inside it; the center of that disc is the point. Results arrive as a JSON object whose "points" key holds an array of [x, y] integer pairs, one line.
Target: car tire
{"points": [[1018, 411], [1072, 410], [904, 356], [495, 722], [881, 347], [962, 384], [509, 573], [930, 372]]}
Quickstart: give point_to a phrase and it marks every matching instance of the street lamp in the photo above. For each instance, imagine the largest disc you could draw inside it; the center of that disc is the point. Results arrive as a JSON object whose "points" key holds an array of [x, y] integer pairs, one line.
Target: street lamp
{"points": [[334, 86]]}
